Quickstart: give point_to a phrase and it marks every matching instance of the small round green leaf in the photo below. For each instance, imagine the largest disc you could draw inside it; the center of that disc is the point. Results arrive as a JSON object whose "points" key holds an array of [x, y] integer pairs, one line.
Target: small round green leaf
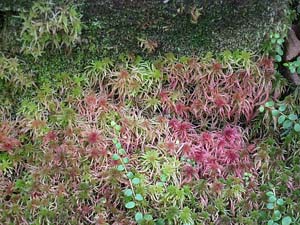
{"points": [[275, 112], [113, 123], [293, 117], [160, 222], [139, 197], [281, 119], [279, 50], [163, 178], [278, 58], [120, 168], [297, 63], [118, 145], [129, 175], [118, 127], [115, 157], [282, 108], [138, 216], [273, 40], [261, 108], [280, 41], [276, 215], [272, 199], [280, 201], [136, 181], [125, 160], [297, 127], [269, 104], [130, 205], [286, 220], [292, 69], [270, 193], [270, 206], [122, 151], [128, 192], [270, 222], [287, 124], [148, 217]]}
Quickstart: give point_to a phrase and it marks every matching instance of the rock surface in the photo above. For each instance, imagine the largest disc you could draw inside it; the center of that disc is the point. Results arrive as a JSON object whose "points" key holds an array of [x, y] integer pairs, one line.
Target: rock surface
{"points": [[295, 78], [292, 45]]}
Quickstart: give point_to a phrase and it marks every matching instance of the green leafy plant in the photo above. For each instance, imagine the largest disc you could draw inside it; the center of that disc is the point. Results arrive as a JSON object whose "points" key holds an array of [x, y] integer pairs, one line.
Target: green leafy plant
{"points": [[294, 66], [6, 164], [13, 76], [276, 205], [279, 111], [132, 196], [277, 41], [15, 80], [48, 25]]}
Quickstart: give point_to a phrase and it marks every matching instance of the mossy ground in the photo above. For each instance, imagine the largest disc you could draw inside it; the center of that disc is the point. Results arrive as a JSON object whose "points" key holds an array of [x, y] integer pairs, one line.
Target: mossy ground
{"points": [[115, 26], [222, 25], [112, 28]]}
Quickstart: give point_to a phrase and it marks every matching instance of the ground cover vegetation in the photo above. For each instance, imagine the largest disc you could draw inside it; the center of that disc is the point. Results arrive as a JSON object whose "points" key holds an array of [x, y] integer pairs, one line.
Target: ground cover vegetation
{"points": [[211, 138]]}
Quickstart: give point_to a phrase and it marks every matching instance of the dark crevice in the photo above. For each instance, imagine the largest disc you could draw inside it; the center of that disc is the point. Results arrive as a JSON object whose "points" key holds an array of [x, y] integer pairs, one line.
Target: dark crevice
{"points": [[4, 15], [2, 18]]}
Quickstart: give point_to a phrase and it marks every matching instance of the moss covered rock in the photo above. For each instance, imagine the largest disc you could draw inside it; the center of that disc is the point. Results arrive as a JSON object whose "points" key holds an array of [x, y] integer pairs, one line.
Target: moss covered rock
{"points": [[231, 24], [117, 26]]}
